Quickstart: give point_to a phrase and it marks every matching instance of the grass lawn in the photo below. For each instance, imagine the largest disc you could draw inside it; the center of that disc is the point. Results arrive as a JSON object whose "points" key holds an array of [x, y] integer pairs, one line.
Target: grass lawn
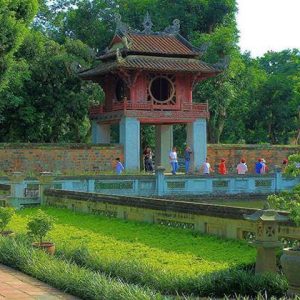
{"points": [[171, 250]]}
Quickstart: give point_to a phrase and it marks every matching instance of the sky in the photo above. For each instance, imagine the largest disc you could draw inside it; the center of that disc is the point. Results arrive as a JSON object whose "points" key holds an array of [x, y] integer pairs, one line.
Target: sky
{"points": [[268, 25]]}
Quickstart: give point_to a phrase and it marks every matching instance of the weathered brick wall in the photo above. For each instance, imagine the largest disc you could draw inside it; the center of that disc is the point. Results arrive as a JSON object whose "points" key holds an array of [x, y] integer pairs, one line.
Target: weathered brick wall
{"points": [[82, 158], [273, 155], [66, 159]]}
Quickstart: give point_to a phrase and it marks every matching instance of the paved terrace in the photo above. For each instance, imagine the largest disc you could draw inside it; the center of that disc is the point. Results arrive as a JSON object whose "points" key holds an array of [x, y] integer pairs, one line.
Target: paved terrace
{"points": [[15, 285]]}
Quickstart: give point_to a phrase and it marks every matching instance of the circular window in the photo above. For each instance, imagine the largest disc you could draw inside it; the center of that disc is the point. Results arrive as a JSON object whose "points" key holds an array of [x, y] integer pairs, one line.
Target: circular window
{"points": [[161, 89], [121, 90]]}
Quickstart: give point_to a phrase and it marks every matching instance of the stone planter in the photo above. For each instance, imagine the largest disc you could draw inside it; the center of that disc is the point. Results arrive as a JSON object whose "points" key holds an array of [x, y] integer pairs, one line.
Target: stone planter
{"points": [[290, 261], [48, 247]]}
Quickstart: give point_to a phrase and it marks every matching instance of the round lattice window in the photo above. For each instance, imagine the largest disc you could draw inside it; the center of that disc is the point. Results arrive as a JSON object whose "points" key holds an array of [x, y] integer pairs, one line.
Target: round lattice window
{"points": [[161, 89]]}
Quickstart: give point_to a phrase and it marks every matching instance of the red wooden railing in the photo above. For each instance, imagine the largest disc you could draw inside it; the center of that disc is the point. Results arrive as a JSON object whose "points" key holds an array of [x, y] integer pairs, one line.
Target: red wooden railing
{"points": [[100, 109]]}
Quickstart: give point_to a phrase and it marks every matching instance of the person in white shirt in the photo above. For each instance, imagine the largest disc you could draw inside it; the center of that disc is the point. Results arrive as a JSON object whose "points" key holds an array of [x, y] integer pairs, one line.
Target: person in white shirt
{"points": [[242, 167], [206, 167], [173, 160]]}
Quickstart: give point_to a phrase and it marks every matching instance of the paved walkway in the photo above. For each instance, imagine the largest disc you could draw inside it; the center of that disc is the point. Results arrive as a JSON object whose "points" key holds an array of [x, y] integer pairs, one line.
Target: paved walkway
{"points": [[15, 285]]}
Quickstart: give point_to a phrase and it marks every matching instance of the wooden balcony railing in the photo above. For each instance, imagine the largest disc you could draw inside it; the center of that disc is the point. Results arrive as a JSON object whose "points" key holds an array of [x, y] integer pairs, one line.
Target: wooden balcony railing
{"points": [[100, 109]]}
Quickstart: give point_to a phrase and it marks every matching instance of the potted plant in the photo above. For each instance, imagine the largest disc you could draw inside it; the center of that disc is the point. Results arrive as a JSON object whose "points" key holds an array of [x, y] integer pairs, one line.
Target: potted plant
{"points": [[38, 227], [6, 213], [290, 260]]}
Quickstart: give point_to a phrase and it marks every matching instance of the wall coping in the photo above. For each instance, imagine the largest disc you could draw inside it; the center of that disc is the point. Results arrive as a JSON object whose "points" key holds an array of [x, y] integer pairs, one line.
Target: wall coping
{"points": [[252, 146], [213, 210], [152, 177], [51, 146], [105, 146]]}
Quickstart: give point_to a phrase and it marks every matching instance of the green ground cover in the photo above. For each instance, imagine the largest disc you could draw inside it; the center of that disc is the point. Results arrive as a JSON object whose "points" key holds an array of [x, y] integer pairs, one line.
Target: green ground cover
{"points": [[173, 250], [168, 260]]}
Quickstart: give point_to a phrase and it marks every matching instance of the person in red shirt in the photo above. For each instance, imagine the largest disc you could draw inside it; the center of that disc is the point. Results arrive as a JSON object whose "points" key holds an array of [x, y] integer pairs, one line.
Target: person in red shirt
{"points": [[222, 167]]}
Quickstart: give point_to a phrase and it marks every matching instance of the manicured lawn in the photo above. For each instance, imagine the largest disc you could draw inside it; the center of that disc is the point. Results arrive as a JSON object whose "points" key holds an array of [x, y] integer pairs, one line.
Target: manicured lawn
{"points": [[172, 250]]}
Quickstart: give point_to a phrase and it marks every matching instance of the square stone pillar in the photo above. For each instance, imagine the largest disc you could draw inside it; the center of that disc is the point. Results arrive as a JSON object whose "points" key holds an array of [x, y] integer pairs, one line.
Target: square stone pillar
{"points": [[130, 139], [100, 133], [163, 145], [196, 139]]}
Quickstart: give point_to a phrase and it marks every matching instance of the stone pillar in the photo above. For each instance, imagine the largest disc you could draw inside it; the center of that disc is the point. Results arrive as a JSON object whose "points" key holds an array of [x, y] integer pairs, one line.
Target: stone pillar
{"points": [[164, 144], [17, 185], [45, 180], [100, 133], [196, 139], [278, 180], [160, 180], [130, 139]]}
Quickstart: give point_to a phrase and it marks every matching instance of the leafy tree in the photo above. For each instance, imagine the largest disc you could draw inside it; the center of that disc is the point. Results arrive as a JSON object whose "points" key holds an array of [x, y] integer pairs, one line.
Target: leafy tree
{"points": [[15, 16], [48, 102]]}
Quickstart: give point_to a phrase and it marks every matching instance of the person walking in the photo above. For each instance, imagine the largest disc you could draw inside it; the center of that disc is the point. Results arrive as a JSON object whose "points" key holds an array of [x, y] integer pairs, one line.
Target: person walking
{"points": [[173, 160], [148, 159], [187, 158], [206, 167], [222, 167], [258, 166], [264, 168], [242, 167], [119, 167], [284, 165]]}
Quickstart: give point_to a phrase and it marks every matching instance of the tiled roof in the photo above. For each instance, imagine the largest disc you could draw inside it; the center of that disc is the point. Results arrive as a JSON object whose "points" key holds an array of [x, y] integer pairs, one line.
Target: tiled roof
{"points": [[151, 63], [159, 44]]}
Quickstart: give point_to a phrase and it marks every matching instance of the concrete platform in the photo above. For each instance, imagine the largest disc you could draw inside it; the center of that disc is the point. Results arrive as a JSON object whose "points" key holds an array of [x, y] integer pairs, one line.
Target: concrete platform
{"points": [[15, 285]]}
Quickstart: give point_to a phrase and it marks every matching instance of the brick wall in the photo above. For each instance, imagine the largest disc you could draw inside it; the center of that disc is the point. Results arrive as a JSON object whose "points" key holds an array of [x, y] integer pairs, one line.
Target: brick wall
{"points": [[273, 155], [67, 159], [81, 158]]}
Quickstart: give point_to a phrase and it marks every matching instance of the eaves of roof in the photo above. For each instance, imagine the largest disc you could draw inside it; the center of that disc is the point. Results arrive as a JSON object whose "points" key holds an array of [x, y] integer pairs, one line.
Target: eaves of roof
{"points": [[151, 63]]}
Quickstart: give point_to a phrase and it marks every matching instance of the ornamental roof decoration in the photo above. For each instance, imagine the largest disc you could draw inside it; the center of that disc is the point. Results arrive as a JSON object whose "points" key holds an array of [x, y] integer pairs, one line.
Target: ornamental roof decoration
{"points": [[223, 63], [123, 29], [162, 51], [166, 42]]}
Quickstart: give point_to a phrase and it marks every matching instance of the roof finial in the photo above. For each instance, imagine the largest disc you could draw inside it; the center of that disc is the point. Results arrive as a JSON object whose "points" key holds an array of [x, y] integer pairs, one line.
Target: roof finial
{"points": [[173, 29], [147, 24], [120, 26]]}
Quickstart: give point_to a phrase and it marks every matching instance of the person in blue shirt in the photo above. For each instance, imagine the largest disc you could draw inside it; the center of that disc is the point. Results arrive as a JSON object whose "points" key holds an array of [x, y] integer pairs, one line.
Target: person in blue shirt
{"points": [[119, 166], [187, 158], [258, 166]]}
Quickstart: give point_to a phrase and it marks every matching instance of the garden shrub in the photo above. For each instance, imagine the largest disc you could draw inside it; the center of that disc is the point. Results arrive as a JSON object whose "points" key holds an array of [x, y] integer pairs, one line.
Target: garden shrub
{"points": [[293, 166], [39, 225], [6, 213], [290, 201]]}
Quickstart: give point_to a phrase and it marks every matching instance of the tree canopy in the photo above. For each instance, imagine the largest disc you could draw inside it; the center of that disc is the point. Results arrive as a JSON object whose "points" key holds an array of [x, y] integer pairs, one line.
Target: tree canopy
{"points": [[43, 100]]}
